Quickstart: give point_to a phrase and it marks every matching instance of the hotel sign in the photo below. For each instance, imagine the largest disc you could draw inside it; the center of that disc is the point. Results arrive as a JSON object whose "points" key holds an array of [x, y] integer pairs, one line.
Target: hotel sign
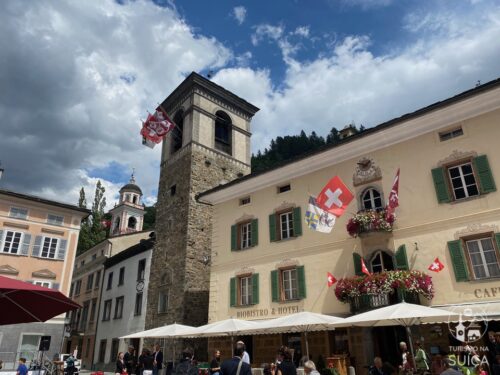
{"points": [[267, 313]]}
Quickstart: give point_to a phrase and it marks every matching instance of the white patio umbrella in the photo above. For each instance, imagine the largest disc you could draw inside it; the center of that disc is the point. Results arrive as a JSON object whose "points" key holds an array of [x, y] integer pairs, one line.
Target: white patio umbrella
{"points": [[301, 322], [404, 314], [227, 327]]}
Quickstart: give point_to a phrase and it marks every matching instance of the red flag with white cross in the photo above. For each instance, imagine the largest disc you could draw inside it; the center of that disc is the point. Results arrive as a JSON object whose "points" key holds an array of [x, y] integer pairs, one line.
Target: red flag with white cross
{"points": [[364, 269], [393, 196], [436, 266], [330, 279], [335, 197]]}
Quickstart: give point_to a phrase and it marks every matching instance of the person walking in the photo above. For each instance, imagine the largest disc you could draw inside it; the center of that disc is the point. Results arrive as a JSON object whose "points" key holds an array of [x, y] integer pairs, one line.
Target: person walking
{"points": [[246, 356], [421, 360], [215, 364], [236, 365], [285, 366], [120, 364], [157, 359]]}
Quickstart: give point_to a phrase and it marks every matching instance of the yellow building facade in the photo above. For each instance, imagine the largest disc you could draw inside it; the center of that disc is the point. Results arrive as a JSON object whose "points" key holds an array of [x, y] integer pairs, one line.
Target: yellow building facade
{"points": [[266, 262]]}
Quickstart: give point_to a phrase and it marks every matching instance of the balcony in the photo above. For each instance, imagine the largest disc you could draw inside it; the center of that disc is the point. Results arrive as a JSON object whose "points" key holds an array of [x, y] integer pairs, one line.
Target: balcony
{"points": [[370, 221], [368, 292], [367, 302]]}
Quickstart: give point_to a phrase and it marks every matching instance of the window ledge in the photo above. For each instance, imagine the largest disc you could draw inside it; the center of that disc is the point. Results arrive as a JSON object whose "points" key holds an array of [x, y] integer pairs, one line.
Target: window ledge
{"points": [[485, 280], [287, 239], [458, 201], [291, 301], [244, 306]]}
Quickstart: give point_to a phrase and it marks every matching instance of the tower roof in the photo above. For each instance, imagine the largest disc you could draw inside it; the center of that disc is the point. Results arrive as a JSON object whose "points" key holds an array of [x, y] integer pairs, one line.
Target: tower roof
{"points": [[131, 186]]}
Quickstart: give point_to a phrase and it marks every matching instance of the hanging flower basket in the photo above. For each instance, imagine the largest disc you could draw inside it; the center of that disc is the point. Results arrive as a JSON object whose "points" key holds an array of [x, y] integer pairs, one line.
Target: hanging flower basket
{"points": [[370, 221], [387, 282]]}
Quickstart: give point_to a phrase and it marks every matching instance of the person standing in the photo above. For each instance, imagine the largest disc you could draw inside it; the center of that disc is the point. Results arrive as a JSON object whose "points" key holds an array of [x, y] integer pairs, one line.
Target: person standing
{"points": [[129, 359], [147, 363], [421, 360], [286, 366], [70, 365], [236, 365], [377, 368], [246, 356], [22, 369], [120, 364], [215, 364], [157, 359]]}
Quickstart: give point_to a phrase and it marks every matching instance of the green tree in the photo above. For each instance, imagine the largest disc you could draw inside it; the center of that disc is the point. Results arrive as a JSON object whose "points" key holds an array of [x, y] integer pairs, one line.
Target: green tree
{"points": [[149, 217], [92, 231]]}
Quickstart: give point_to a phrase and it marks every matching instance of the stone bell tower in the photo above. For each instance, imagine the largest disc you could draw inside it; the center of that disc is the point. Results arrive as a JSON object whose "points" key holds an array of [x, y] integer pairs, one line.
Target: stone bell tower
{"points": [[209, 146]]}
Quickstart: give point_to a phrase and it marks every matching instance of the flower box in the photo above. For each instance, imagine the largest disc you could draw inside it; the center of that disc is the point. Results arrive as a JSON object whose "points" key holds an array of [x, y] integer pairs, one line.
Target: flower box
{"points": [[369, 221]]}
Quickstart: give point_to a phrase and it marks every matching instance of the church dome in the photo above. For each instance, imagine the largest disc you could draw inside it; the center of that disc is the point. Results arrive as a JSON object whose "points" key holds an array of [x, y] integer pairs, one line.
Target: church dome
{"points": [[131, 186]]}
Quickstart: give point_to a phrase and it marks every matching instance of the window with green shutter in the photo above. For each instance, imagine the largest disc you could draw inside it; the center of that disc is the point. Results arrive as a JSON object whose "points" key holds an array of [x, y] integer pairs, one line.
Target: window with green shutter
{"points": [[272, 227], [232, 292], [301, 277], [458, 260], [357, 264], [275, 285], [234, 237], [483, 172], [255, 287], [401, 258], [297, 222], [255, 232], [441, 185]]}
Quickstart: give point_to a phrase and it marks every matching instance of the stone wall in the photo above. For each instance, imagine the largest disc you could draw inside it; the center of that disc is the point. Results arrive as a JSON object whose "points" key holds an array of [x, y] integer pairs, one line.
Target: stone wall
{"points": [[180, 263]]}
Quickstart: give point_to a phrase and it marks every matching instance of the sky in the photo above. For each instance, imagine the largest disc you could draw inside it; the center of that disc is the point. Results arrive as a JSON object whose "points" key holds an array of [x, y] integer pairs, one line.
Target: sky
{"points": [[77, 78]]}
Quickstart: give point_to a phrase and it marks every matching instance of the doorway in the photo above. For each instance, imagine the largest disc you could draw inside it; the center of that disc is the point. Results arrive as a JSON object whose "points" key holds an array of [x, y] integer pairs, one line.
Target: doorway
{"points": [[386, 343]]}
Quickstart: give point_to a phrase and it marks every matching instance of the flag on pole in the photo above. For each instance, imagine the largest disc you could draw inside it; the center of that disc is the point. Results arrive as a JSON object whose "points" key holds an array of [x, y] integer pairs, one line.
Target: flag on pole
{"points": [[364, 269], [335, 197], [393, 196], [156, 126], [436, 266], [330, 279], [148, 143], [317, 219]]}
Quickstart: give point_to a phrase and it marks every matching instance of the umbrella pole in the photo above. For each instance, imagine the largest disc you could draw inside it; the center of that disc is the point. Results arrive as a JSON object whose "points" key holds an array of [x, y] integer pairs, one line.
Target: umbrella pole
{"points": [[408, 331], [307, 345]]}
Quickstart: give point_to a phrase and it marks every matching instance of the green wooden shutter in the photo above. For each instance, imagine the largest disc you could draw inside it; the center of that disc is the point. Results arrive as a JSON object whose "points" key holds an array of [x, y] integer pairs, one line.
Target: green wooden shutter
{"points": [[297, 222], [458, 260], [483, 171], [234, 237], [357, 264], [401, 258], [232, 294], [272, 227], [301, 278], [275, 285], [497, 239], [255, 288], [255, 232], [441, 185]]}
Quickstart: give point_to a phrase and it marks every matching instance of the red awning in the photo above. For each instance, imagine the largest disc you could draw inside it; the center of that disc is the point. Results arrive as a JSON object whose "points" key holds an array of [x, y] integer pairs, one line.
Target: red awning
{"points": [[22, 302]]}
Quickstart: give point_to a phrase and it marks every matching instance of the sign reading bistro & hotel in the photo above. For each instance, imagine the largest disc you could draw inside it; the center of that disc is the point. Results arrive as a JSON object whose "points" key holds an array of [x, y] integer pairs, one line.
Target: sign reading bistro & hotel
{"points": [[262, 313]]}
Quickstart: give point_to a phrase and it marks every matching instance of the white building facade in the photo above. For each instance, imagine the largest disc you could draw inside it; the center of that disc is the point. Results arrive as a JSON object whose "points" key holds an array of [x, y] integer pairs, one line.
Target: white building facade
{"points": [[122, 308]]}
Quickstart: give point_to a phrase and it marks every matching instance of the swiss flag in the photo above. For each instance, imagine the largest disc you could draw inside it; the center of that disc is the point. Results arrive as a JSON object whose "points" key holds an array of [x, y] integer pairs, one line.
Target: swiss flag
{"points": [[436, 266], [393, 195], [330, 279], [364, 269], [335, 197]]}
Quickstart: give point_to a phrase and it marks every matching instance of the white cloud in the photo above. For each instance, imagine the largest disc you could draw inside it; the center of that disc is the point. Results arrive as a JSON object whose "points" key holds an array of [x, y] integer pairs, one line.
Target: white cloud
{"points": [[350, 83], [367, 4], [80, 77], [240, 13], [244, 59], [302, 31], [266, 31]]}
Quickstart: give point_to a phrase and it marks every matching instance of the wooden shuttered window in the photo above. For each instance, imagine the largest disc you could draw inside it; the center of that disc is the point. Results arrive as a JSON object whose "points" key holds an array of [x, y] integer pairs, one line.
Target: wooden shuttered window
{"points": [[35, 252], [458, 260], [272, 227], [25, 247], [232, 292], [255, 232], [441, 185], [234, 237], [297, 222], [255, 288], [484, 175], [301, 278], [357, 264], [236, 233], [401, 259], [61, 249], [275, 285]]}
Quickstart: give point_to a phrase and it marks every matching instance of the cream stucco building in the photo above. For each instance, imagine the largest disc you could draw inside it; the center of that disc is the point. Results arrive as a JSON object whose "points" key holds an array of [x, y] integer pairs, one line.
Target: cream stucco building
{"points": [[266, 262]]}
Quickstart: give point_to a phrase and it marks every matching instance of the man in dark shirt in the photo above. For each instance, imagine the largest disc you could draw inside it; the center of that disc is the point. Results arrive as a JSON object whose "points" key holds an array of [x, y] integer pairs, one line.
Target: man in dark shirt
{"points": [[286, 366], [129, 359], [235, 365], [157, 359]]}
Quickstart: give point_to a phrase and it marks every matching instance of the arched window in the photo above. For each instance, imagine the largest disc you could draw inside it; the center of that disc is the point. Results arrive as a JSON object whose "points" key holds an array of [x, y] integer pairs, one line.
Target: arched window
{"points": [[132, 222], [371, 199], [381, 261], [134, 199], [223, 129], [176, 133]]}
